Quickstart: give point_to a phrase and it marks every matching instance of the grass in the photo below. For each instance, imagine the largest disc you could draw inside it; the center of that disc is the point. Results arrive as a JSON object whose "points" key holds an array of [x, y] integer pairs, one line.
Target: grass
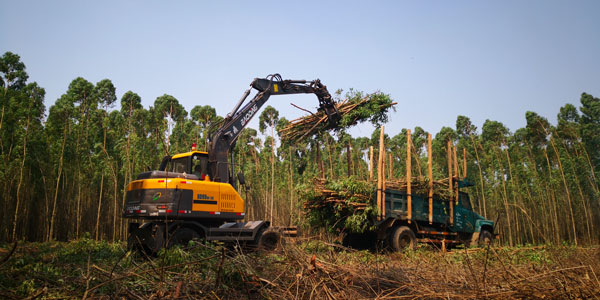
{"points": [[300, 269]]}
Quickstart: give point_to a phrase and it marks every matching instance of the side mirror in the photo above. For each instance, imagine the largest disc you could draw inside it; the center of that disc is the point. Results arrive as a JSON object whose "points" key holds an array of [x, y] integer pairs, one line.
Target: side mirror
{"points": [[241, 178]]}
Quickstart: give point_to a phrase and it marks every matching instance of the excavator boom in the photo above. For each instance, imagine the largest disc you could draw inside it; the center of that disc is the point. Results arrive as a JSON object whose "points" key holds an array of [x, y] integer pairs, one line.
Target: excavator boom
{"points": [[225, 137]]}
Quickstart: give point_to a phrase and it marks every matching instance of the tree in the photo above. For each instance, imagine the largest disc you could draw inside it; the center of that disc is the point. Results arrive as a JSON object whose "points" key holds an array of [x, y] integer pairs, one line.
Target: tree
{"points": [[171, 111], [590, 126], [31, 112], [105, 93], [206, 116], [269, 119]]}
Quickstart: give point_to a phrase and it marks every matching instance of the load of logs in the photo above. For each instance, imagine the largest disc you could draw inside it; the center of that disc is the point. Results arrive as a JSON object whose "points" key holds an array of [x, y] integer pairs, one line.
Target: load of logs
{"points": [[326, 194], [341, 205], [420, 186], [355, 205]]}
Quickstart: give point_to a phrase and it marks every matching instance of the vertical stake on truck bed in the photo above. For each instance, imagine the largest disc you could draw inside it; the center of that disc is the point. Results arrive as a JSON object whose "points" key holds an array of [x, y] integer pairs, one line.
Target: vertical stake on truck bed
{"points": [[408, 175], [430, 167], [456, 173], [464, 162], [450, 189], [383, 179], [380, 175]]}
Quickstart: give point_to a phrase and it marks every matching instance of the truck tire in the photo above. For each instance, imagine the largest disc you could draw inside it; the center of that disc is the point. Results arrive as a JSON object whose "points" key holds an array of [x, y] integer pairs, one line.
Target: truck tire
{"points": [[401, 238], [267, 239], [182, 236], [485, 238]]}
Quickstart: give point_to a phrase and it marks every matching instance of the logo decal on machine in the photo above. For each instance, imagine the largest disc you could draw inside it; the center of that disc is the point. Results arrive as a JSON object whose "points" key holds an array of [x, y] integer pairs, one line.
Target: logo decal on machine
{"points": [[156, 196], [204, 199], [248, 115]]}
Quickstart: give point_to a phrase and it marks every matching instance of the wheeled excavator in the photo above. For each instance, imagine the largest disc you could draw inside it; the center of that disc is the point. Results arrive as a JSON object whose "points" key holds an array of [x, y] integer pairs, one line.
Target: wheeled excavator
{"points": [[194, 195]]}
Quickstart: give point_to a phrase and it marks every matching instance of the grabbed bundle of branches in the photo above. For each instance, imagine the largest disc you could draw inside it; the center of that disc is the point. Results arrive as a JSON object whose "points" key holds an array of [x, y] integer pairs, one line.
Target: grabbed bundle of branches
{"points": [[341, 205], [356, 108]]}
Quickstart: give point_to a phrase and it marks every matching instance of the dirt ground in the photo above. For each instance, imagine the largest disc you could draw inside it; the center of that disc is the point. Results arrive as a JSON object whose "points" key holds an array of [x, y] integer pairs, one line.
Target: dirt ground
{"points": [[300, 269]]}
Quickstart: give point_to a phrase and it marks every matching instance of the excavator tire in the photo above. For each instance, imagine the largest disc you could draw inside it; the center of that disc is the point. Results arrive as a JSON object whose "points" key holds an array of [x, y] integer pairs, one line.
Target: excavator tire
{"points": [[147, 240], [267, 239]]}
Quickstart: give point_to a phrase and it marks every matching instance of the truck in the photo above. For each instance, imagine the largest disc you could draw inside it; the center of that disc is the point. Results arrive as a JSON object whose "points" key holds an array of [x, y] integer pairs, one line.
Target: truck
{"points": [[449, 223], [195, 195]]}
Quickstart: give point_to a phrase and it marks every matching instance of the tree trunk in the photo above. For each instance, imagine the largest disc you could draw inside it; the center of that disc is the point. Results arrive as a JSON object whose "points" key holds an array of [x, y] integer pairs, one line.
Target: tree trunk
{"points": [[505, 201], [554, 201], [15, 221], [320, 161], [480, 176], [349, 159], [291, 186], [99, 204], [562, 174], [512, 183], [272, 172], [60, 166]]}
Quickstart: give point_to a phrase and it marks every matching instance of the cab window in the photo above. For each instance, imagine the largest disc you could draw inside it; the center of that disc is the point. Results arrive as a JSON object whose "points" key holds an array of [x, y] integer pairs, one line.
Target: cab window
{"points": [[200, 165], [178, 165], [464, 201]]}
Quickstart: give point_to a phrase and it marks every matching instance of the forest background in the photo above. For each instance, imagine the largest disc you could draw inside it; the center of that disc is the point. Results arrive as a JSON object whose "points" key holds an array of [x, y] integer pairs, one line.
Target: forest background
{"points": [[64, 172]]}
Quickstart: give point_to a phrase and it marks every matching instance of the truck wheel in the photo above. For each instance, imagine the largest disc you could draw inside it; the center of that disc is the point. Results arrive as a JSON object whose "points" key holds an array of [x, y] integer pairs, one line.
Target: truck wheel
{"points": [[182, 236], [267, 239], [403, 238], [485, 238]]}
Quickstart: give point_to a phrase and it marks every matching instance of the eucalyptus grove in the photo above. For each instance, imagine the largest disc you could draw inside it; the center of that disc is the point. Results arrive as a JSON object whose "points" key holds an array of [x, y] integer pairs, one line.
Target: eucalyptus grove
{"points": [[65, 175]]}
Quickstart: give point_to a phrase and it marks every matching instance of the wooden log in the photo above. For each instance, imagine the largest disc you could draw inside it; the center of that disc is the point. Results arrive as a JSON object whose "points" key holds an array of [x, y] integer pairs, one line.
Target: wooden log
{"points": [[455, 161], [379, 173], [464, 162], [430, 169], [383, 185], [408, 174], [449, 150], [450, 181], [456, 173]]}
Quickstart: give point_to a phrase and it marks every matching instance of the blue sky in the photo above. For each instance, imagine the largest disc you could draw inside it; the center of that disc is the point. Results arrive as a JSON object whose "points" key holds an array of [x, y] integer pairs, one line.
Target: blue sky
{"points": [[437, 59]]}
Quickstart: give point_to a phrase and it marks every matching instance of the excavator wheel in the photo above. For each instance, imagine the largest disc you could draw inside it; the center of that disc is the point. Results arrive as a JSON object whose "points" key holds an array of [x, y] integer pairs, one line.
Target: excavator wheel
{"points": [[267, 239], [147, 240]]}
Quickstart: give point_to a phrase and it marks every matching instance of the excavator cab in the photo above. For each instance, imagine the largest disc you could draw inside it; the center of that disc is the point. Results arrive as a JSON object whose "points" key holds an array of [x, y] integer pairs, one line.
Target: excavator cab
{"points": [[193, 163]]}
